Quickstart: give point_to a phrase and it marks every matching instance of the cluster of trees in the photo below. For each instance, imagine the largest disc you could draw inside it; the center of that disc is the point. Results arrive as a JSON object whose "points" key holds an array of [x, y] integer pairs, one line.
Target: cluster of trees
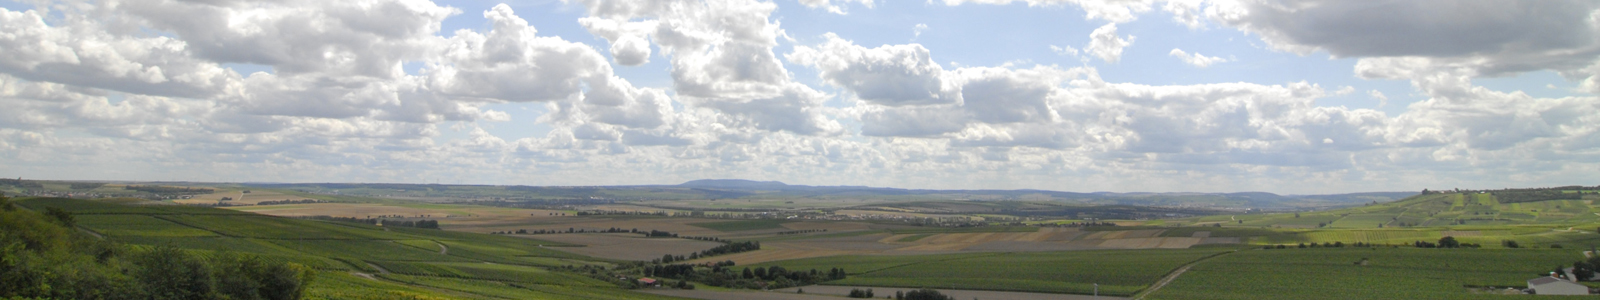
{"points": [[726, 248], [1583, 270], [922, 294], [723, 275], [1322, 245], [20, 183], [730, 248], [1086, 224], [859, 293], [287, 201], [622, 212], [1445, 242], [801, 231], [43, 257], [583, 230], [1510, 244], [429, 224], [668, 258], [918, 294], [156, 189]]}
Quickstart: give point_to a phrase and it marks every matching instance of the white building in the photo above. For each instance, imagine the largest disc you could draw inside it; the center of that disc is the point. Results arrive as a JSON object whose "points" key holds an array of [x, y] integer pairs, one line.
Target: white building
{"points": [[1556, 286]]}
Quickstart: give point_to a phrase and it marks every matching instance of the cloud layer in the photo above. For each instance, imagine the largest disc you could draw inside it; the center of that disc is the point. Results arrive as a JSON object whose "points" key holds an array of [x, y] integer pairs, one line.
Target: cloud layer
{"points": [[143, 90]]}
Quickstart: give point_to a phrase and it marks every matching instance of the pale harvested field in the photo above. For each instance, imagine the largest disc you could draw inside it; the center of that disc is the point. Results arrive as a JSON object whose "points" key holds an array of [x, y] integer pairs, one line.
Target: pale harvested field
{"points": [[239, 197], [736, 295], [1461, 233], [1046, 239], [957, 294], [625, 246], [830, 226], [484, 219], [1151, 242]]}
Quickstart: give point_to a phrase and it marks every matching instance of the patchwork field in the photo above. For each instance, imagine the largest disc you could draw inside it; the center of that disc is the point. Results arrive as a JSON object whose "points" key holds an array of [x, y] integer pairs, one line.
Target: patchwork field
{"points": [[359, 261], [626, 246], [1117, 272], [1362, 273]]}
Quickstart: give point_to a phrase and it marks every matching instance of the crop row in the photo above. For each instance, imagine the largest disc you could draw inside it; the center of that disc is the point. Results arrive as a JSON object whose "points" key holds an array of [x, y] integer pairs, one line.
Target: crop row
{"points": [[1361, 273]]}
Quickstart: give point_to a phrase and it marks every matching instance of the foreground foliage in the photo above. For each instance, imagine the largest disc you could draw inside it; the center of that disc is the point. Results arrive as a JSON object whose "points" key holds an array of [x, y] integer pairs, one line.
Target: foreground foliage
{"points": [[43, 256]]}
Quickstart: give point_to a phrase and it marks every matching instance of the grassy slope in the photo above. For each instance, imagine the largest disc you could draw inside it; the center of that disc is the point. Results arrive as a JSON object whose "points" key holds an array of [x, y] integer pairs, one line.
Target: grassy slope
{"points": [[1391, 273], [339, 249], [1118, 272]]}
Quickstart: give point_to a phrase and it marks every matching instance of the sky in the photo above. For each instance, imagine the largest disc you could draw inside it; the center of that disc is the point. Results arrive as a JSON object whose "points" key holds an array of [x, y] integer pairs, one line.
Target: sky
{"points": [[1292, 97]]}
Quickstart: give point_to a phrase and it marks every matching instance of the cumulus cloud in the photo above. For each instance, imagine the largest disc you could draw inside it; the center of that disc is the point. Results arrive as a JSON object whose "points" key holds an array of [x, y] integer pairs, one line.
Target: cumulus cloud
{"points": [[1064, 50], [889, 75], [1196, 59], [119, 91], [722, 58], [1400, 39], [1382, 100], [1186, 12], [81, 53], [628, 40], [1105, 44], [1116, 11], [827, 4]]}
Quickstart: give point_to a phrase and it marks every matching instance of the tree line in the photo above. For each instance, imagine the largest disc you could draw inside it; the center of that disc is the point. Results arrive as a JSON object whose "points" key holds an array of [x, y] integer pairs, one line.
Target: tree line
{"points": [[42, 256], [156, 189]]}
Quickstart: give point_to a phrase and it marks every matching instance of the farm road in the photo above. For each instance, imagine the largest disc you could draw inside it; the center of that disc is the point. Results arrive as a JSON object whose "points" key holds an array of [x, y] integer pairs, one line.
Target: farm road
{"points": [[1170, 277], [443, 250], [381, 270]]}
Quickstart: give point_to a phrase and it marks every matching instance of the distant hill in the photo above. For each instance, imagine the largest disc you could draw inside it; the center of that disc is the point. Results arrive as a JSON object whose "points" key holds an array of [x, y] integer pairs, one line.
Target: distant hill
{"points": [[734, 184], [748, 189]]}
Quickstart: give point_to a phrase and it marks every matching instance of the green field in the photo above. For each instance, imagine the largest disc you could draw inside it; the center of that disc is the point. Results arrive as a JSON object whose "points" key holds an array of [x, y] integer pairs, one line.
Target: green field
{"points": [[477, 266], [1118, 272], [1390, 273]]}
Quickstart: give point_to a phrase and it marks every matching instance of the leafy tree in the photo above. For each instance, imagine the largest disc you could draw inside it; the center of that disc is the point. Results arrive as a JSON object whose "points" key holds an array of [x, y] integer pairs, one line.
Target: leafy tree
{"points": [[171, 273], [1510, 244], [1449, 242], [927, 294], [61, 216], [5, 203], [1582, 271]]}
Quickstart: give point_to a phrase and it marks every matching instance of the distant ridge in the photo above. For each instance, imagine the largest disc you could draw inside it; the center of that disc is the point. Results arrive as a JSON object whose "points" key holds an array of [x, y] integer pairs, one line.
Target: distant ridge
{"points": [[734, 184]]}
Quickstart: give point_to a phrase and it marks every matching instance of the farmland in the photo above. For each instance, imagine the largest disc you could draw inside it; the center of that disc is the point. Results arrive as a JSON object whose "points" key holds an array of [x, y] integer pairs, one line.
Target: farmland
{"points": [[1362, 273], [1038, 246], [1117, 272], [358, 261]]}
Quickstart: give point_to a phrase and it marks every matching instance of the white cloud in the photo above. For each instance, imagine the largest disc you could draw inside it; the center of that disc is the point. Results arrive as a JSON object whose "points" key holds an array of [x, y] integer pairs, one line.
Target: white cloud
{"points": [[1405, 40], [1064, 50], [137, 91], [888, 75], [1105, 44], [1196, 59], [825, 4], [1186, 12], [1382, 100], [916, 31], [1115, 11], [628, 40]]}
